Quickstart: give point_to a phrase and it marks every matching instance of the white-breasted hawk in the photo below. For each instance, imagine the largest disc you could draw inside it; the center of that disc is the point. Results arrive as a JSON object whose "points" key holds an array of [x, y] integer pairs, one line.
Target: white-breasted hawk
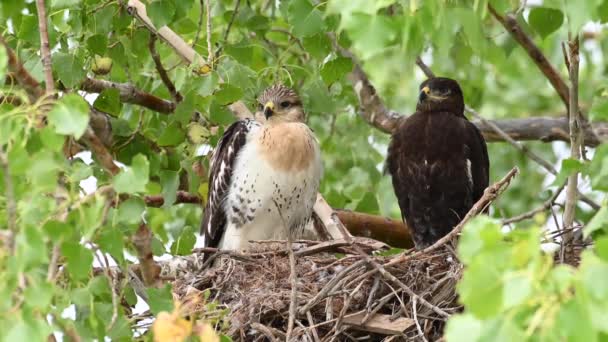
{"points": [[438, 161], [264, 175]]}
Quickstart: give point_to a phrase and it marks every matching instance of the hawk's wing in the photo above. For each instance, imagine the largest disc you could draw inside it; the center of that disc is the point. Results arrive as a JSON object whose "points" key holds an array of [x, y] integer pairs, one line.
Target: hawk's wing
{"points": [[213, 224], [480, 163]]}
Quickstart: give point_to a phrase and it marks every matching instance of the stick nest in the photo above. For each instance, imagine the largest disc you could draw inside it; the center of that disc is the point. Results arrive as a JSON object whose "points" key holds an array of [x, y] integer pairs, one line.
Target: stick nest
{"points": [[339, 291]]}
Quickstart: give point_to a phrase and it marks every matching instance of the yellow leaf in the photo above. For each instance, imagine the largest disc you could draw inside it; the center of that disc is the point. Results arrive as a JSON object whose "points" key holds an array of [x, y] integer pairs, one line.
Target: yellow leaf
{"points": [[206, 333], [171, 328]]}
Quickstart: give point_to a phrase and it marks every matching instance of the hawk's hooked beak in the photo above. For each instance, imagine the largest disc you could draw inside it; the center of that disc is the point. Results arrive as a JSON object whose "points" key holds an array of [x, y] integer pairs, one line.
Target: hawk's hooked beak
{"points": [[268, 109], [424, 93]]}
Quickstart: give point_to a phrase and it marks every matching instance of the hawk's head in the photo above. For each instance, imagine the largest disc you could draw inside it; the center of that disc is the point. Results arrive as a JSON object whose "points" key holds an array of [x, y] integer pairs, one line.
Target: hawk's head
{"points": [[279, 103], [440, 94]]}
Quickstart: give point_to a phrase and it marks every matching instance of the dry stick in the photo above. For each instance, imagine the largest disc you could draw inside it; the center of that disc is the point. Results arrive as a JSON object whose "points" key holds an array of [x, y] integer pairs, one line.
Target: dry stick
{"points": [[517, 32], [177, 97], [45, 51], [11, 206], [100, 151], [416, 320], [142, 240], [524, 149], [530, 214], [345, 306], [575, 137], [489, 195]]}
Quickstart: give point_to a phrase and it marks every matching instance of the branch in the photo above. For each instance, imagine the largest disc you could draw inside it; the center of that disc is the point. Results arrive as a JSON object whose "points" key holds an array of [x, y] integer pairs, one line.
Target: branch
{"points": [[45, 51], [489, 195], [129, 94], [22, 76], [208, 19], [99, 150], [575, 137], [387, 230], [177, 97], [530, 214], [516, 31], [150, 270], [158, 201]]}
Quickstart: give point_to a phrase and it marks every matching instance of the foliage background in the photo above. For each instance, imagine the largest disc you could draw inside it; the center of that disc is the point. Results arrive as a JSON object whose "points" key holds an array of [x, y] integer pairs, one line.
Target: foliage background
{"points": [[255, 44]]}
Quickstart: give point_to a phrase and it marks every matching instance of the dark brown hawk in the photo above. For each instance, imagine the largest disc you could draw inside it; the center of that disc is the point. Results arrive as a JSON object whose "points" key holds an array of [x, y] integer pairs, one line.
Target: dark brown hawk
{"points": [[438, 161]]}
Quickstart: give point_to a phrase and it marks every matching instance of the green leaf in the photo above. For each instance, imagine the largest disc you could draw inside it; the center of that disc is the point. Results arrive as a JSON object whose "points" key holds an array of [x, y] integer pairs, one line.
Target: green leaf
{"points": [[319, 45], [481, 290], [97, 44], [335, 69], [517, 288], [304, 18], [109, 102], [569, 167], [601, 248], [111, 241], [69, 69], [79, 259], [57, 230], [227, 94], [169, 181], [599, 222], [131, 210], [370, 34], [463, 327], [545, 20], [172, 135], [133, 179], [599, 108], [184, 243], [368, 204], [3, 62], [57, 4], [160, 299], [70, 115], [161, 12], [219, 114]]}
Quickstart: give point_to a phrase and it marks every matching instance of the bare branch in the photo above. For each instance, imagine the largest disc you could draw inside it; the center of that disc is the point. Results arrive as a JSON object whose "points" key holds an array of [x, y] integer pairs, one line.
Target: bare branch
{"points": [[489, 195], [45, 51], [100, 151], [158, 201], [517, 32], [393, 232], [548, 204], [575, 137], [234, 13], [129, 94], [177, 97], [142, 240]]}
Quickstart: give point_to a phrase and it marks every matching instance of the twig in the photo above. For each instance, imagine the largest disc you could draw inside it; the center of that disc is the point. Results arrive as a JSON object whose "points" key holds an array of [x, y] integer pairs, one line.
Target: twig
{"points": [[129, 94], [264, 330], [200, 24], [209, 46], [231, 22], [51, 274], [530, 214], [489, 195], [142, 240], [415, 314], [345, 306], [311, 326], [11, 206], [575, 136], [516, 31], [177, 97], [100, 151], [45, 51]]}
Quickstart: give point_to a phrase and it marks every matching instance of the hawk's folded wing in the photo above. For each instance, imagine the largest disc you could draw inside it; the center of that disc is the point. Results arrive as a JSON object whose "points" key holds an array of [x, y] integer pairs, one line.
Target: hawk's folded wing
{"points": [[222, 165]]}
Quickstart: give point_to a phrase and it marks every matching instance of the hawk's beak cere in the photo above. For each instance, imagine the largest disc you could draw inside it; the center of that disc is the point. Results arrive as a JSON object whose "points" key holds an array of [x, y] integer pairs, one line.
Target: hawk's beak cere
{"points": [[268, 109], [424, 93]]}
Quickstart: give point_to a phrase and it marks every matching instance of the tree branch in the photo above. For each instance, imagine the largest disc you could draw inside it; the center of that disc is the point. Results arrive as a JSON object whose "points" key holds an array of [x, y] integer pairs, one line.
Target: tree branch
{"points": [[517, 32], [129, 94], [21, 75], [45, 51], [575, 137], [150, 270], [177, 97], [208, 19], [530, 214], [99, 150]]}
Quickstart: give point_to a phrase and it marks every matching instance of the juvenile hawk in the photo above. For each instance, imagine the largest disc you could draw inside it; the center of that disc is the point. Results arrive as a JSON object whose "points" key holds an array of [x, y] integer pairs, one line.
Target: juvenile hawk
{"points": [[438, 161], [264, 175]]}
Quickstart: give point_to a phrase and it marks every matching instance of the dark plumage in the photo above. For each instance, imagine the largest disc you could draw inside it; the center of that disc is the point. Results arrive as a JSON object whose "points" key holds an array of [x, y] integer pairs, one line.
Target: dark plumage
{"points": [[438, 161]]}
